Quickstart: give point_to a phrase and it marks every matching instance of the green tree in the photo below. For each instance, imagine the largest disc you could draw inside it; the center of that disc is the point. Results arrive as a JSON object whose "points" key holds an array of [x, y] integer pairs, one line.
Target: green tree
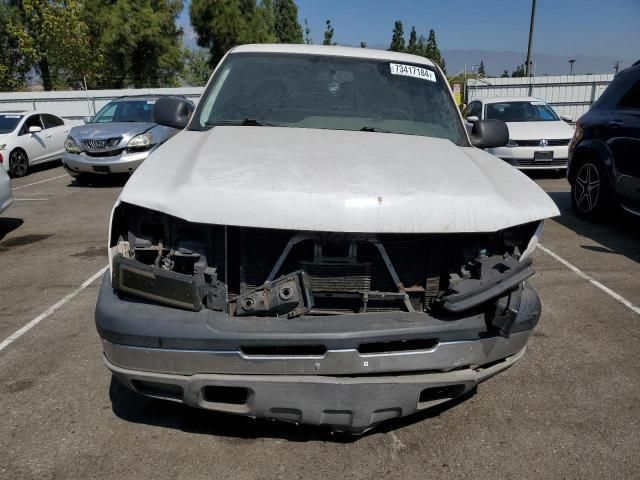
{"points": [[286, 26], [13, 66], [412, 46], [397, 37], [196, 69], [139, 41], [432, 52], [519, 71], [481, 71], [51, 37], [505, 74], [307, 33], [328, 34], [421, 47], [221, 24]]}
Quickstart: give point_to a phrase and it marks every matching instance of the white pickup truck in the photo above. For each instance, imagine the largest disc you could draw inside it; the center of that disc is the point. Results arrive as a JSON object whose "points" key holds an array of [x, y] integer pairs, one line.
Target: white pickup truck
{"points": [[323, 243]]}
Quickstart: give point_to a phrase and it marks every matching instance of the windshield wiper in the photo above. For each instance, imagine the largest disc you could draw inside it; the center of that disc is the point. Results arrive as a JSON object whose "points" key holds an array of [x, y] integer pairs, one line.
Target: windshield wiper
{"points": [[247, 122], [375, 129]]}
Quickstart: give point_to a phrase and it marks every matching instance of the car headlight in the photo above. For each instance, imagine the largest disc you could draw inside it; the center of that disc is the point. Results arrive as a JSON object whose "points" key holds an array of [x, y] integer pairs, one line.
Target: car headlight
{"points": [[141, 142], [71, 146], [512, 143]]}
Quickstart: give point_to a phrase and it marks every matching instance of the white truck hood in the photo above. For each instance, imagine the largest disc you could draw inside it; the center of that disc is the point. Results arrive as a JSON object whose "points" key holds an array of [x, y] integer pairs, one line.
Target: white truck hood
{"points": [[329, 180]]}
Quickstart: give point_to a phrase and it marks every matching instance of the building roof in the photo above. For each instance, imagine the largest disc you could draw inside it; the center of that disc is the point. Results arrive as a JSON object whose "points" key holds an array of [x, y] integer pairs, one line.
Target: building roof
{"points": [[332, 50]]}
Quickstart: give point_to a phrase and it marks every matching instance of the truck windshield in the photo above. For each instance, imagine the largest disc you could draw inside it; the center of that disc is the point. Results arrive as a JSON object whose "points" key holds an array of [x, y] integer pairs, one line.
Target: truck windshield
{"points": [[521, 112], [329, 92], [8, 122]]}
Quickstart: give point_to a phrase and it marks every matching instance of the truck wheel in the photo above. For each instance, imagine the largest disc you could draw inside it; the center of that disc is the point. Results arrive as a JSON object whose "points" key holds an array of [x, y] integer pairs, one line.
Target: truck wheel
{"points": [[18, 163]]}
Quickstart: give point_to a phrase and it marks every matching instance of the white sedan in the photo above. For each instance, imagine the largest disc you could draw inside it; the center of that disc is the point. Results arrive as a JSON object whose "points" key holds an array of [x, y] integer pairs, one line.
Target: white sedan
{"points": [[6, 197], [29, 138], [538, 137]]}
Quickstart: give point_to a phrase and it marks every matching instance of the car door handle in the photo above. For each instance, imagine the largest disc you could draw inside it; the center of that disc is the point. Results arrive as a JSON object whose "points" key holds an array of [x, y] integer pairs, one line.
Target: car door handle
{"points": [[615, 124]]}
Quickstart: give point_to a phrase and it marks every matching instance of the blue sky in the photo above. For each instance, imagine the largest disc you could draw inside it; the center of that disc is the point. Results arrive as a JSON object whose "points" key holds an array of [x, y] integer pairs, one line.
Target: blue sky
{"points": [[564, 27]]}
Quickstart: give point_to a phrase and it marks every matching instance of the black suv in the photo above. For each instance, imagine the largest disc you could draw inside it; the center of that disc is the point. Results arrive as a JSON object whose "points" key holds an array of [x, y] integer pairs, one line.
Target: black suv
{"points": [[604, 154]]}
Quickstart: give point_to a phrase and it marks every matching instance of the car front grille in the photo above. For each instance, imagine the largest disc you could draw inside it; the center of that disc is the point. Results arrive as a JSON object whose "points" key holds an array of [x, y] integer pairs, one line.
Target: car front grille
{"points": [[108, 153], [100, 144], [550, 143], [556, 162]]}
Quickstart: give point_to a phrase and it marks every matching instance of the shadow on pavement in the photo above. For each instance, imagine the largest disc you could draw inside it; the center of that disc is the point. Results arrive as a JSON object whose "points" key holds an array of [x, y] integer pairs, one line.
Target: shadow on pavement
{"points": [[136, 408], [43, 167], [100, 181], [8, 225], [619, 235]]}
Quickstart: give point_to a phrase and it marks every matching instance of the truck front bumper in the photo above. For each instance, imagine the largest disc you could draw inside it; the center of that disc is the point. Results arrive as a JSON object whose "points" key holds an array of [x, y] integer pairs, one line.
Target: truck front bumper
{"points": [[349, 372]]}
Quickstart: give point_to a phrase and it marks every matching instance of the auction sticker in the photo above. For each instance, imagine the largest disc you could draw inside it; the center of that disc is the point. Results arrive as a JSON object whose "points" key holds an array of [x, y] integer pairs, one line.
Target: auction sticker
{"points": [[412, 71]]}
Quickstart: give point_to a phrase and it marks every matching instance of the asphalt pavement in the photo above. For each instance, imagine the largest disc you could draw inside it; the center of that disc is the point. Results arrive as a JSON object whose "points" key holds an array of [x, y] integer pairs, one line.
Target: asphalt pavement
{"points": [[569, 409]]}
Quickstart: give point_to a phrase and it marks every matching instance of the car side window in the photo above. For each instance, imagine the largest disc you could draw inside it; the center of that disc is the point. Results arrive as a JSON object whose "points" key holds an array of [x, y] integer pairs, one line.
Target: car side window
{"points": [[631, 99], [51, 121], [31, 121]]}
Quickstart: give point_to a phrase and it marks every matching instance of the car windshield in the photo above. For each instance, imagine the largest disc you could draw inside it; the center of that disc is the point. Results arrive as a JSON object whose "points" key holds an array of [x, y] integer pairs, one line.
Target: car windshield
{"points": [[531, 111], [8, 122], [125, 111], [341, 93]]}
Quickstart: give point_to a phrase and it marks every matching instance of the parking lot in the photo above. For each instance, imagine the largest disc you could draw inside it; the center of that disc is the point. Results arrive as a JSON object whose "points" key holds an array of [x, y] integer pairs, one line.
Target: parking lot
{"points": [[569, 409]]}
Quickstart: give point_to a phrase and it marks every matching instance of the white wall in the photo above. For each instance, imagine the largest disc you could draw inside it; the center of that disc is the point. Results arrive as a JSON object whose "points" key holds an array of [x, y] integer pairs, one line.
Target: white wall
{"points": [[567, 94], [78, 103]]}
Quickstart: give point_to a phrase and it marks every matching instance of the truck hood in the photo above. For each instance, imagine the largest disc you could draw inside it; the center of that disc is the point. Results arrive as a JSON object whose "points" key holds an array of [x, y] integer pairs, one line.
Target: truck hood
{"points": [[540, 130], [107, 130], [329, 180]]}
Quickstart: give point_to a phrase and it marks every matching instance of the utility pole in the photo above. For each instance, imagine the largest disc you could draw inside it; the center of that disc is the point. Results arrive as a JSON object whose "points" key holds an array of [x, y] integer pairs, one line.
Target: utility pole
{"points": [[571, 62], [533, 16], [616, 66]]}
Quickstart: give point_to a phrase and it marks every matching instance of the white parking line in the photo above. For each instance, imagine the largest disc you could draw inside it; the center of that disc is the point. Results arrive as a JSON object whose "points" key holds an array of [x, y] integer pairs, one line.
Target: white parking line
{"points": [[41, 181], [12, 338], [594, 282], [31, 199]]}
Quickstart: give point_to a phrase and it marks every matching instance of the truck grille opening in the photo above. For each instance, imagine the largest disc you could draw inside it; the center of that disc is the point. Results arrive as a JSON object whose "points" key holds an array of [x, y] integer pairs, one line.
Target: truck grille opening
{"points": [[284, 350], [230, 395], [445, 392], [398, 346]]}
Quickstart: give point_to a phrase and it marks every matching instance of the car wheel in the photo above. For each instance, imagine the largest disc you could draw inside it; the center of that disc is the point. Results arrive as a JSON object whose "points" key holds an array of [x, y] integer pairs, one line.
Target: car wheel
{"points": [[591, 194], [18, 163]]}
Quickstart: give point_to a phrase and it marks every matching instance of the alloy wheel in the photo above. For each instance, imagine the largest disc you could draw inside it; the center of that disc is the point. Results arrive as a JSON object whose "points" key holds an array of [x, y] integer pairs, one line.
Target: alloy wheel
{"points": [[587, 189], [18, 164]]}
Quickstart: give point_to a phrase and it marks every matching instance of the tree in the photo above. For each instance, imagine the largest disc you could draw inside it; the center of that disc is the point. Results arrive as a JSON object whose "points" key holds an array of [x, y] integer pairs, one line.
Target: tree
{"points": [[13, 66], [432, 52], [505, 74], [221, 24], [307, 33], [412, 46], [139, 41], [328, 34], [286, 26], [51, 37], [519, 71], [481, 71], [197, 69], [397, 37], [421, 47]]}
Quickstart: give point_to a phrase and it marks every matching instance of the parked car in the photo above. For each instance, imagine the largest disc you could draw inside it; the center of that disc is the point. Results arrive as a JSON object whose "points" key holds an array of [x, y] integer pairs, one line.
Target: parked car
{"points": [[6, 196], [323, 244], [604, 155], [116, 140], [30, 137], [538, 137]]}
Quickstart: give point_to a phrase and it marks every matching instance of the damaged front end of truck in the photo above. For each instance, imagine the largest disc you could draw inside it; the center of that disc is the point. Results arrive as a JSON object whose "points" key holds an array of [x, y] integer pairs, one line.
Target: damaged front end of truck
{"points": [[328, 328]]}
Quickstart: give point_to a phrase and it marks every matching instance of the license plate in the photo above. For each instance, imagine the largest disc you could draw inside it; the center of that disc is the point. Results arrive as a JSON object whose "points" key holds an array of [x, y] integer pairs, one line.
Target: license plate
{"points": [[542, 156], [101, 169]]}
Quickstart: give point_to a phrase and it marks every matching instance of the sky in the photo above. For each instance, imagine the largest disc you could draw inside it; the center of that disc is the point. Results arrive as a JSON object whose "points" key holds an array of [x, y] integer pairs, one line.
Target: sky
{"points": [[608, 28]]}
